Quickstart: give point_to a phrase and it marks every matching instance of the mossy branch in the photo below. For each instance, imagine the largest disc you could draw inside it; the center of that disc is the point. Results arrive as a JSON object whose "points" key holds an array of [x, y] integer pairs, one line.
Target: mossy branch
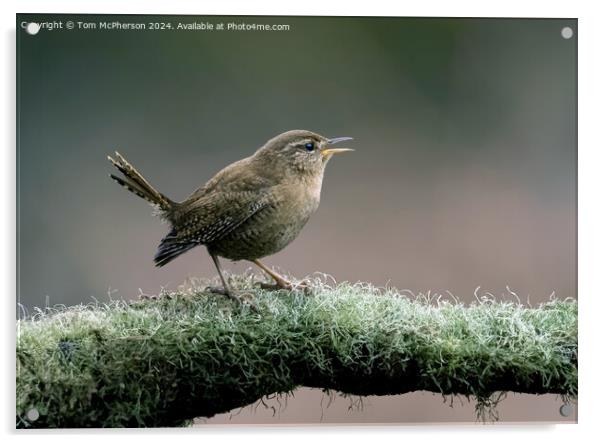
{"points": [[190, 354]]}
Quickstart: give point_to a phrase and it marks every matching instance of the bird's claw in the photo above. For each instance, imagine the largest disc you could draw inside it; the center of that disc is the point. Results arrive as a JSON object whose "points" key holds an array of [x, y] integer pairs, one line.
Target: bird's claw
{"points": [[154, 297], [243, 299], [217, 290], [286, 285]]}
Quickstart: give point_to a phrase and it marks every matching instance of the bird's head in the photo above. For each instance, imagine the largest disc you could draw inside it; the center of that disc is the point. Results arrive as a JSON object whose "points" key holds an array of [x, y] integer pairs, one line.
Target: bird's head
{"points": [[300, 152]]}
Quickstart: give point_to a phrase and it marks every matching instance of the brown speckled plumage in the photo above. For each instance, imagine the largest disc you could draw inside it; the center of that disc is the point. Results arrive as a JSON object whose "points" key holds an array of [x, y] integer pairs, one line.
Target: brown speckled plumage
{"points": [[250, 209]]}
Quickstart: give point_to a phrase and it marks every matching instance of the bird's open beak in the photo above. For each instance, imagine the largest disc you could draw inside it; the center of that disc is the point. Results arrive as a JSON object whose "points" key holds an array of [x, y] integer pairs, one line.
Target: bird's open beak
{"points": [[332, 151]]}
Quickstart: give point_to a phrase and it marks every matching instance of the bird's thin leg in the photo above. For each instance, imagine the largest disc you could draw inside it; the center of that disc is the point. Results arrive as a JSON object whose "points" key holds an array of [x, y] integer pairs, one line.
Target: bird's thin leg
{"points": [[226, 289], [281, 282]]}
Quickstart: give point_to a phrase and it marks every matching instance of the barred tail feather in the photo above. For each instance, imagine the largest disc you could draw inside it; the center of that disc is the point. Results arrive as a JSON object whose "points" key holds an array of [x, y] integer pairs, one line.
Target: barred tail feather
{"points": [[134, 182], [134, 189]]}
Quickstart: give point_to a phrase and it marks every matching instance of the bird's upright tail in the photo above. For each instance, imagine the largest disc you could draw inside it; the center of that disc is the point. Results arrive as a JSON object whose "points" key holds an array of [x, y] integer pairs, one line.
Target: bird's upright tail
{"points": [[134, 182]]}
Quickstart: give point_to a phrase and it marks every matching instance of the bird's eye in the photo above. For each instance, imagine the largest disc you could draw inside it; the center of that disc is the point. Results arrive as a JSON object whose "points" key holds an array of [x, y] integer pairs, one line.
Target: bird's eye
{"points": [[309, 146]]}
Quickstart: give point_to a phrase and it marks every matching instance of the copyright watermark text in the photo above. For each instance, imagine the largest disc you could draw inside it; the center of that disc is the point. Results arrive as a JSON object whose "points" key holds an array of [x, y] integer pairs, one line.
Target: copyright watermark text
{"points": [[209, 26]]}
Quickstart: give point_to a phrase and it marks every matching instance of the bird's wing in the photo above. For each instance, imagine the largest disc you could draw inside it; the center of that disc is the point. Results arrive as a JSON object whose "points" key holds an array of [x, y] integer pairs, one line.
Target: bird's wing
{"points": [[209, 219], [230, 198], [217, 214]]}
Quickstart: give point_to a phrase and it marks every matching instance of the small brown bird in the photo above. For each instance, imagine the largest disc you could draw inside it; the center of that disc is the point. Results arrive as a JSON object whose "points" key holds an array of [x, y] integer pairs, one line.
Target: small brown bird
{"points": [[250, 209]]}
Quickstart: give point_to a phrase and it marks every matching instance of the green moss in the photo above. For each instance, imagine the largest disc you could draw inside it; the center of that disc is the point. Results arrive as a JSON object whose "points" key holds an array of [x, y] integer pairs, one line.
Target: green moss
{"points": [[191, 354]]}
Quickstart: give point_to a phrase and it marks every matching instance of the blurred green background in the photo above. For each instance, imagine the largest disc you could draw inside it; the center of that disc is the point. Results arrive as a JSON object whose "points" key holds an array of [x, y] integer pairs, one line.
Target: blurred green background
{"points": [[464, 173]]}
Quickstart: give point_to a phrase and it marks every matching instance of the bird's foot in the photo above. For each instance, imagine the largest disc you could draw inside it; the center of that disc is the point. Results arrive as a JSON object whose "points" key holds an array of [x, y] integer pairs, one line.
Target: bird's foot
{"points": [[242, 298], [286, 285], [217, 290], [165, 295]]}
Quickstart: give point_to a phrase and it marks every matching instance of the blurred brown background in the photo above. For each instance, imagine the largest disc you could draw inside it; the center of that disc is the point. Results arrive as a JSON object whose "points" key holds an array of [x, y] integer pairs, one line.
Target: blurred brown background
{"points": [[464, 174]]}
